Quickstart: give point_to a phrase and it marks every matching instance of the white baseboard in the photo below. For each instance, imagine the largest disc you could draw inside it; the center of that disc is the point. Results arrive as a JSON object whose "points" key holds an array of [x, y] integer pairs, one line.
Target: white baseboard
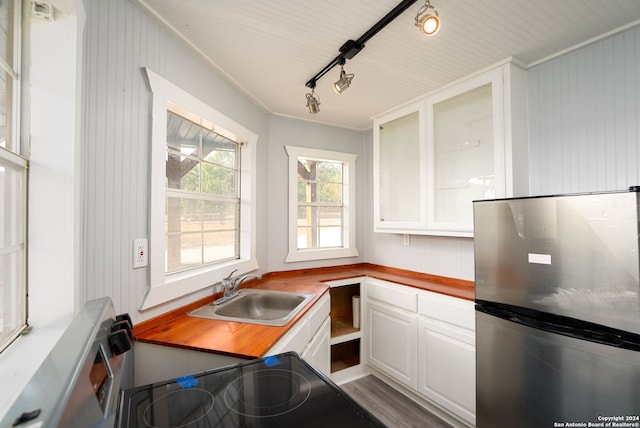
{"points": [[350, 374]]}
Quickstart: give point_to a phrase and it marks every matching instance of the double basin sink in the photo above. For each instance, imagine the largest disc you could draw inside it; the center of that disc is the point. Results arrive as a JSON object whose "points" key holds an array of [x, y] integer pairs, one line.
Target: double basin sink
{"points": [[267, 307]]}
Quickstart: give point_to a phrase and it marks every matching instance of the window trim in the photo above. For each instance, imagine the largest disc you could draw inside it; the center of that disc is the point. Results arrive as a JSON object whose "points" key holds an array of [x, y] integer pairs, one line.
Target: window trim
{"points": [[349, 205], [17, 156], [165, 287]]}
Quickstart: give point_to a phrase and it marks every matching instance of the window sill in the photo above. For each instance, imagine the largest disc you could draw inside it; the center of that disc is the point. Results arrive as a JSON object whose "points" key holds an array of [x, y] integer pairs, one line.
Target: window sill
{"points": [[20, 361], [321, 254]]}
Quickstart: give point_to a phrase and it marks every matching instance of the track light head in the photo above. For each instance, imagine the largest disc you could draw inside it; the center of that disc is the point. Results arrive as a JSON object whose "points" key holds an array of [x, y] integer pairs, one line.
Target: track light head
{"points": [[313, 102], [344, 82], [352, 47], [429, 24]]}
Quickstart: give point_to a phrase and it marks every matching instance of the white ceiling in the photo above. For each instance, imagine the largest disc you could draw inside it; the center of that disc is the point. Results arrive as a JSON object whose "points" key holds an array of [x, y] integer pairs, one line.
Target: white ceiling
{"points": [[271, 48]]}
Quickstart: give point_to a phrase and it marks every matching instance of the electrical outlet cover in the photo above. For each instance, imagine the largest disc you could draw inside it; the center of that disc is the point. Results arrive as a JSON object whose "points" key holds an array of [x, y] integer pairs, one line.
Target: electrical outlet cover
{"points": [[140, 256]]}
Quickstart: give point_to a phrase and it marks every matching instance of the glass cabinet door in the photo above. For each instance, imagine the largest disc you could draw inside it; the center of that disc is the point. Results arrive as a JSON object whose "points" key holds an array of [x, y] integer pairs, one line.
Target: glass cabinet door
{"points": [[434, 157], [463, 153], [399, 169]]}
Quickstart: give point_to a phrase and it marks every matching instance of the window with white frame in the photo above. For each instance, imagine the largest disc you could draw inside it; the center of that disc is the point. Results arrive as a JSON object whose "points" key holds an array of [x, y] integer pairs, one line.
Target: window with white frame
{"points": [[13, 182], [321, 204], [202, 219]]}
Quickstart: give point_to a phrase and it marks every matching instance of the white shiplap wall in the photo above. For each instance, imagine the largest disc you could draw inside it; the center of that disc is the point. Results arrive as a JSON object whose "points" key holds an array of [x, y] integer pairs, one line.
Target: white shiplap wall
{"points": [[584, 110], [436, 255], [115, 140], [120, 39]]}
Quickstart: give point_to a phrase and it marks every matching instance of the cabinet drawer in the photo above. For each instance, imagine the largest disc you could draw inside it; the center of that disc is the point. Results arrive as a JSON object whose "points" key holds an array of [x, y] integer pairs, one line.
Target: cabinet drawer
{"points": [[452, 310], [396, 295]]}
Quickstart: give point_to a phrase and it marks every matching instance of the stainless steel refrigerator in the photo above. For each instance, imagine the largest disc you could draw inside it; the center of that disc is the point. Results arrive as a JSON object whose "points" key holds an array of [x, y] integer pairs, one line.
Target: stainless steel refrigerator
{"points": [[558, 311]]}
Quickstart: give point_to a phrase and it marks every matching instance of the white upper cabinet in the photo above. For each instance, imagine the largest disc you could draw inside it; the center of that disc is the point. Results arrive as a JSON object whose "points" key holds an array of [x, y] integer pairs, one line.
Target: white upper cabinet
{"points": [[400, 169], [433, 158], [465, 151]]}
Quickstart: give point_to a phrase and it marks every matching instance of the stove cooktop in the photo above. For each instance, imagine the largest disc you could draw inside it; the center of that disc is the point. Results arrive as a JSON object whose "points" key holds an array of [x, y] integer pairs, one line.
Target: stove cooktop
{"points": [[277, 391]]}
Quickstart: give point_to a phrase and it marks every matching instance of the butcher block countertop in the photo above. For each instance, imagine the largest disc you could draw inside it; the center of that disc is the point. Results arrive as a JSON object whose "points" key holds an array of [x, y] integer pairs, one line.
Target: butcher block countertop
{"points": [[250, 341]]}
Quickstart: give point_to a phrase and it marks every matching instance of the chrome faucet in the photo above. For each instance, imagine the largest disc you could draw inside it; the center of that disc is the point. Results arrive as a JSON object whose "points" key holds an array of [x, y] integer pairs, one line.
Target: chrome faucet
{"points": [[227, 283], [230, 286], [239, 280]]}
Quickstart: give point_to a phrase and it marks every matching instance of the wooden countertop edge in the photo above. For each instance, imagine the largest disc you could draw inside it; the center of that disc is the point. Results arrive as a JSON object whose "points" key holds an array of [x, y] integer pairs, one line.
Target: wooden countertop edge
{"points": [[144, 326], [454, 287], [157, 330]]}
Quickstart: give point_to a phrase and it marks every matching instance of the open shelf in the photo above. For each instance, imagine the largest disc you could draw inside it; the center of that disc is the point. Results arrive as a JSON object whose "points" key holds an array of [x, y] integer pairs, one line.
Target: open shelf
{"points": [[345, 355], [342, 326], [342, 320], [345, 337]]}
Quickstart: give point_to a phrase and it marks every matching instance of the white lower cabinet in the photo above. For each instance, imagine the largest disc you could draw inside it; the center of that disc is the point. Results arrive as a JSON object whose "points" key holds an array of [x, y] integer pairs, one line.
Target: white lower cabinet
{"points": [[446, 369], [318, 352], [309, 337], [392, 342], [426, 342], [446, 353], [392, 325]]}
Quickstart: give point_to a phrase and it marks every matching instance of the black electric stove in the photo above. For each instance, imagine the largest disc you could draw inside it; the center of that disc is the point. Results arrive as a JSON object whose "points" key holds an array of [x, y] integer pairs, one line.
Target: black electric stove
{"points": [[87, 381], [80, 380], [277, 391]]}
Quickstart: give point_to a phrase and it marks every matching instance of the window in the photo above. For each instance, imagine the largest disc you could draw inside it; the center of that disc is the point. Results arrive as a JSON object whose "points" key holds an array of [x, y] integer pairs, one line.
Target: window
{"points": [[202, 223], [321, 204], [13, 183], [202, 216]]}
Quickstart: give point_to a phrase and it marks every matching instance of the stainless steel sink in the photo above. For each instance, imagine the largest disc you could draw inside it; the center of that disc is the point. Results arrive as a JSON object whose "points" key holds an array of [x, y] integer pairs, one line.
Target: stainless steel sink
{"points": [[266, 307]]}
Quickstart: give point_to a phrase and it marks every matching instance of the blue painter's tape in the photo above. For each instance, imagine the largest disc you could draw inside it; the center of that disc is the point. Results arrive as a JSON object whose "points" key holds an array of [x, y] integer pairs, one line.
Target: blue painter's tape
{"points": [[186, 382], [271, 361]]}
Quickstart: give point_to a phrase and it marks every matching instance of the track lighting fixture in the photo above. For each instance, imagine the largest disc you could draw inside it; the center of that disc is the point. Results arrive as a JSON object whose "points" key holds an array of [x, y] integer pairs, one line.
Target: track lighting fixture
{"points": [[313, 101], [428, 23], [344, 82]]}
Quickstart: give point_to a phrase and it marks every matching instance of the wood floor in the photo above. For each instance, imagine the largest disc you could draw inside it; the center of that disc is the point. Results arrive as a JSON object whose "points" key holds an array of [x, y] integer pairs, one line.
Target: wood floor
{"points": [[390, 406]]}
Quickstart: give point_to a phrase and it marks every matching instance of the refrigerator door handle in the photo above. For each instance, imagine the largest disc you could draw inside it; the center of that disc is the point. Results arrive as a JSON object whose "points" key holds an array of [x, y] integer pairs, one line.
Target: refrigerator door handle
{"points": [[559, 324]]}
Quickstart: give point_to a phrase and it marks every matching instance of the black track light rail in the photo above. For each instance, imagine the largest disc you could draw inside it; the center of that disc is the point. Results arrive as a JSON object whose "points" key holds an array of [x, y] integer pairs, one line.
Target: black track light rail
{"points": [[352, 47]]}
